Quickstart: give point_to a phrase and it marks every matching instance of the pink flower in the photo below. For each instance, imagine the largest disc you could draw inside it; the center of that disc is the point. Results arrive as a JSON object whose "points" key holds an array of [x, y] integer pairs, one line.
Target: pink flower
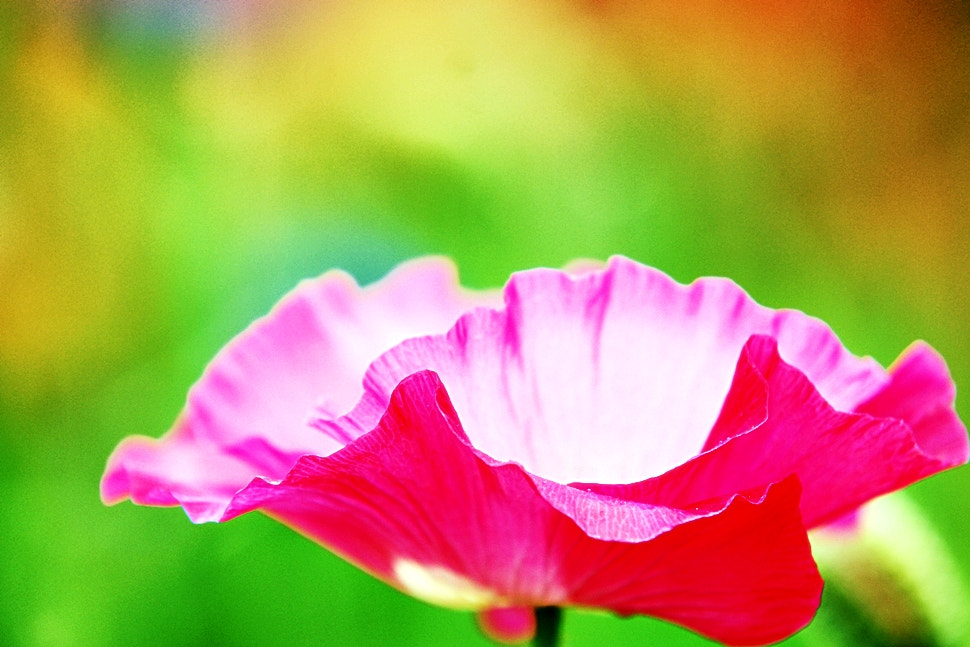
{"points": [[607, 438]]}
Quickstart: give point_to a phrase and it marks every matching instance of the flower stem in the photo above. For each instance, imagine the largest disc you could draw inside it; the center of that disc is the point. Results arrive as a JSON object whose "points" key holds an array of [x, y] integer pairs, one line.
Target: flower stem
{"points": [[548, 620]]}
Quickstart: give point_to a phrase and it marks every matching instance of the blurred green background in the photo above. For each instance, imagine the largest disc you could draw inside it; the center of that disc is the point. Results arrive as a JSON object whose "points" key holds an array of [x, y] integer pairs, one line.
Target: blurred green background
{"points": [[169, 169]]}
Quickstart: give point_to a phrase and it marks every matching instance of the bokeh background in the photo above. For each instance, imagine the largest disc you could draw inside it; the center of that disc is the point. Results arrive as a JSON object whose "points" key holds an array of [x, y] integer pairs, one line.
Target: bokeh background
{"points": [[169, 169]]}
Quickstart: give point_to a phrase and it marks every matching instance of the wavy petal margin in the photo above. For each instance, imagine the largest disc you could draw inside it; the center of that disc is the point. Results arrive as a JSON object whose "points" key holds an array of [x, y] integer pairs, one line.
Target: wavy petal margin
{"points": [[609, 376], [413, 503]]}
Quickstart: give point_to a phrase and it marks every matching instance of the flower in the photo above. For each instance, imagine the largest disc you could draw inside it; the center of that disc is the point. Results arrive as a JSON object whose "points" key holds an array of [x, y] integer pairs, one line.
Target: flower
{"points": [[604, 438]]}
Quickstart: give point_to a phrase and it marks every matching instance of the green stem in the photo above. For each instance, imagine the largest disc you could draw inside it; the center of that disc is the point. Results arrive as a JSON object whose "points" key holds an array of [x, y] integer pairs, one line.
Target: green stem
{"points": [[548, 620]]}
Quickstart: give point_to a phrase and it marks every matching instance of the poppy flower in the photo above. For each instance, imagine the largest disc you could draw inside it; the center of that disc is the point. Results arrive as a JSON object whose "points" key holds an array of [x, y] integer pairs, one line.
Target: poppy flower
{"points": [[603, 437]]}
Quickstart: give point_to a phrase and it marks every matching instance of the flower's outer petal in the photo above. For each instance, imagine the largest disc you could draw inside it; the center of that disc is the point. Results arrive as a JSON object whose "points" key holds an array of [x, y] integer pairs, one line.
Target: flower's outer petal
{"points": [[177, 470], [415, 504], [841, 459], [246, 416], [921, 393], [731, 578], [608, 376], [508, 625]]}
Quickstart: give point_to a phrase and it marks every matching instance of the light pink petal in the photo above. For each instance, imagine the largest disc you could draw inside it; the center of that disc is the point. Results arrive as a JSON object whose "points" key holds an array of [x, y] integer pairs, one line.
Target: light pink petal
{"points": [[246, 416], [608, 376], [176, 471], [508, 625], [413, 503], [841, 459]]}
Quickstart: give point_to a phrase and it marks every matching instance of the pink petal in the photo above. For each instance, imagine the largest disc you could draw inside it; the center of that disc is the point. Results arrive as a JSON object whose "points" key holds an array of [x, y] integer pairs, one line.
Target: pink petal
{"points": [[841, 459], [413, 503], [178, 471], [921, 393], [509, 625], [609, 376], [246, 416]]}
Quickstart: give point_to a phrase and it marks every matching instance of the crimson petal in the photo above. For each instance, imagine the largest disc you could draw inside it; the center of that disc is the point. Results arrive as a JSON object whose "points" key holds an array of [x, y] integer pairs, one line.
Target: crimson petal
{"points": [[415, 504]]}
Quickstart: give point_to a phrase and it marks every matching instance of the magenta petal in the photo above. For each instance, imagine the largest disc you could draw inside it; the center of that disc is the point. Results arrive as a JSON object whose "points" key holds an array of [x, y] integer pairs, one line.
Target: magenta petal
{"points": [[921, 393], [246, 416], [841, 459], [413, 503]]}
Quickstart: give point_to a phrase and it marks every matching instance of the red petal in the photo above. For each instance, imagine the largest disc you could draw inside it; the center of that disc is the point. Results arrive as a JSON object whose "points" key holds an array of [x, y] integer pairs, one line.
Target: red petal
{"points": [[742, 577], [415, 504]]}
